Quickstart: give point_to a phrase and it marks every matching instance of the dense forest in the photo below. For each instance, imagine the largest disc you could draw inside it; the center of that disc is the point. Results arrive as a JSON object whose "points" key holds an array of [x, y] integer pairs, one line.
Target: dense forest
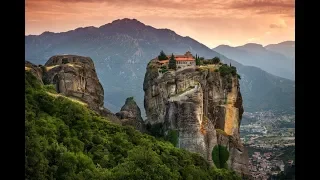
{"points": [[65, 140]]}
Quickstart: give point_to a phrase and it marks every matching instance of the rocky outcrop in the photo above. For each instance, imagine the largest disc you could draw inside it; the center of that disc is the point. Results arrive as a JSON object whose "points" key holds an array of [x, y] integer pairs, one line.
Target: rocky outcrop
{"points": [[35, 70], [76, 77], [197, 103], [130, 114]]}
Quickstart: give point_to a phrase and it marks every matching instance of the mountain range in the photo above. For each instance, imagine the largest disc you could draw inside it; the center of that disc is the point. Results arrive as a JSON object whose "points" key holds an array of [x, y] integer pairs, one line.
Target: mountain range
{"points": [[121, 50], [277, 59], [286, 48]]}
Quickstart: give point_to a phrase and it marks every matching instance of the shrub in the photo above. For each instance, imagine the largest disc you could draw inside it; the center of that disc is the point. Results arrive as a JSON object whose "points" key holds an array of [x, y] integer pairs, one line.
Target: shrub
{"points": [[163, 67], [50, 88], [220, 156], [163, 70], [215, 60], [225, 70]]}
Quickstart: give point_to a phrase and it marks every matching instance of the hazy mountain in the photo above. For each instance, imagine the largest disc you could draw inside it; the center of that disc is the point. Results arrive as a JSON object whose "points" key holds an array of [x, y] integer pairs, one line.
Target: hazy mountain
{"points": [[252, 54], [122, 49], [286, 48]]}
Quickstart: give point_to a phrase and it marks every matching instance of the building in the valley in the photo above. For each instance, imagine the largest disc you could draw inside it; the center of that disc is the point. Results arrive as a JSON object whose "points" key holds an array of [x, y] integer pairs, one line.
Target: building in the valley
{"points": [[181, 60]]}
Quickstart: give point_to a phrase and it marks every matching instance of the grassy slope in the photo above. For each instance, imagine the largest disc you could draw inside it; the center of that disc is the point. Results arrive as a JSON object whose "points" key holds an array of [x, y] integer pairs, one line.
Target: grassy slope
{"points": [[65, 140]]}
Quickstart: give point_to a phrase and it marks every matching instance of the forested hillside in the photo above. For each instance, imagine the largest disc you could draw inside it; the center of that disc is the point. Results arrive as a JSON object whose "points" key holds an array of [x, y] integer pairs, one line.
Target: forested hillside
{"points": [[65, 140]]}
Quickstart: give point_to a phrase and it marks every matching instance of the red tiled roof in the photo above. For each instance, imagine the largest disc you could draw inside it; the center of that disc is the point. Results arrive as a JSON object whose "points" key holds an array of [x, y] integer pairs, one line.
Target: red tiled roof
{"points": [[163, 61], [184, 59]]}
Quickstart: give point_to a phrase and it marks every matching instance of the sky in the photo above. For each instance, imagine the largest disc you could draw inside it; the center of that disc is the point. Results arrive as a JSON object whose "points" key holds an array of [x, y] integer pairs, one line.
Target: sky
{"points": [[211, 22]]}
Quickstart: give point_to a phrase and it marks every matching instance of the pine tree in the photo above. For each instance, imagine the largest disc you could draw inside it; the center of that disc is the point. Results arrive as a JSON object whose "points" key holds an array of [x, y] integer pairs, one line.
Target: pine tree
{"points": [[162, 56], [172, 63], [197, 60]]}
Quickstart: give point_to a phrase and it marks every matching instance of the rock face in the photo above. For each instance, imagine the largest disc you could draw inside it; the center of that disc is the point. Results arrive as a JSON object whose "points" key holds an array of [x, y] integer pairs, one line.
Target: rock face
{"points": [[204, 107], [75, 76], [130, 114], [35, 70]]}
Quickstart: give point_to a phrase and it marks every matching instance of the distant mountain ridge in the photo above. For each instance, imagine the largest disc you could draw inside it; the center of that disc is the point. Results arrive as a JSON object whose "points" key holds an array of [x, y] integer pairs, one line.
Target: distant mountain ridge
{"points": [[286, 48], [122, 49], [270, 58]]}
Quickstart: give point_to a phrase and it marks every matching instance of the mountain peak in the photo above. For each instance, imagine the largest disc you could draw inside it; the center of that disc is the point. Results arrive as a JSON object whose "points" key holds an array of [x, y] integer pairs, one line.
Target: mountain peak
{"points": [[47, 33], [284, 43], [223, 46], [252, 45], [288, 42], [125, 23]]}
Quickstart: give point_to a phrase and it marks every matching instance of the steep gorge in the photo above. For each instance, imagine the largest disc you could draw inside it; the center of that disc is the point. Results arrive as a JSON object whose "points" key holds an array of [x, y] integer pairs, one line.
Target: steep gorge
{"points": [[202, 106]]}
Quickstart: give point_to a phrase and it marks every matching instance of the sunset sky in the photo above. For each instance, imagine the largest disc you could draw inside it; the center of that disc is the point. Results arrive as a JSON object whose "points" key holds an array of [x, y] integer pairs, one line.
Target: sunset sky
{"points": [[211, 22]]}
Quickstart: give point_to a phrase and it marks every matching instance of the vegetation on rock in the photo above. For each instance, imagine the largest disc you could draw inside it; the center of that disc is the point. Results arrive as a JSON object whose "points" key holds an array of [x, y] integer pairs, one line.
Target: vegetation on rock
{"points": [[163, 69], [226, 70], [214, 60], [220, 156], [173, 137], [65, 140]]}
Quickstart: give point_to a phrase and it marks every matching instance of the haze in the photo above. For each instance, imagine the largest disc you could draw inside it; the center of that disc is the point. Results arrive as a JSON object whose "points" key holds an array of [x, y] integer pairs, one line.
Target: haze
{"points": [[211, 22]]}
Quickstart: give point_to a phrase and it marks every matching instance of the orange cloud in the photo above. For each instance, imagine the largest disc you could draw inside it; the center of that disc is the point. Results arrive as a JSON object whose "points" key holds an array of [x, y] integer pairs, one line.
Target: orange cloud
{"points": [[207, 21]]}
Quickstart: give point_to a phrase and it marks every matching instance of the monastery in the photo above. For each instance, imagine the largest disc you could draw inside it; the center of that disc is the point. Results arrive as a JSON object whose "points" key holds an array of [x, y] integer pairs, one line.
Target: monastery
{"points": [[182, 60]]}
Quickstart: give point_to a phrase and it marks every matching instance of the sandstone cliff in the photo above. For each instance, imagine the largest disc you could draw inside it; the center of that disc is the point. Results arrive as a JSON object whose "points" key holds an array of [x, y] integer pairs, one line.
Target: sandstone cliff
{"points": [[130, 114], [74, 76], [202, 106]]}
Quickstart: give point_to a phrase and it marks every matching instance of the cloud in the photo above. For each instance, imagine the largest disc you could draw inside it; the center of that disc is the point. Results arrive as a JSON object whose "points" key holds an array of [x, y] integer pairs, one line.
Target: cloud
{"points": [[281, 24], [275, 26], [208, 21], [284, 7], [191, 8]]}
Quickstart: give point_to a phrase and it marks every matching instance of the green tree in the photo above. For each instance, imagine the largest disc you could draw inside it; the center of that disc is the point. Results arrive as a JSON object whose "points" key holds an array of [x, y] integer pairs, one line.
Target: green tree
{"points": [[215, 60], [197, 60], [162, 56], [220, 155], [66, 140], [172, 63]]}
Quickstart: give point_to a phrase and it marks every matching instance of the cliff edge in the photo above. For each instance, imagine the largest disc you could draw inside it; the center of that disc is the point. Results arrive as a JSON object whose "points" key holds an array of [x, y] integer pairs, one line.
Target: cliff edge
{"points": [[203, 105], [74, 76]]}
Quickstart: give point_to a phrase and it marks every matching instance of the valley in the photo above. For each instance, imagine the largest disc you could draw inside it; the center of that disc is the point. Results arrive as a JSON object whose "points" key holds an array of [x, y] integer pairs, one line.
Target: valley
{"points": [[270, 140]]}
